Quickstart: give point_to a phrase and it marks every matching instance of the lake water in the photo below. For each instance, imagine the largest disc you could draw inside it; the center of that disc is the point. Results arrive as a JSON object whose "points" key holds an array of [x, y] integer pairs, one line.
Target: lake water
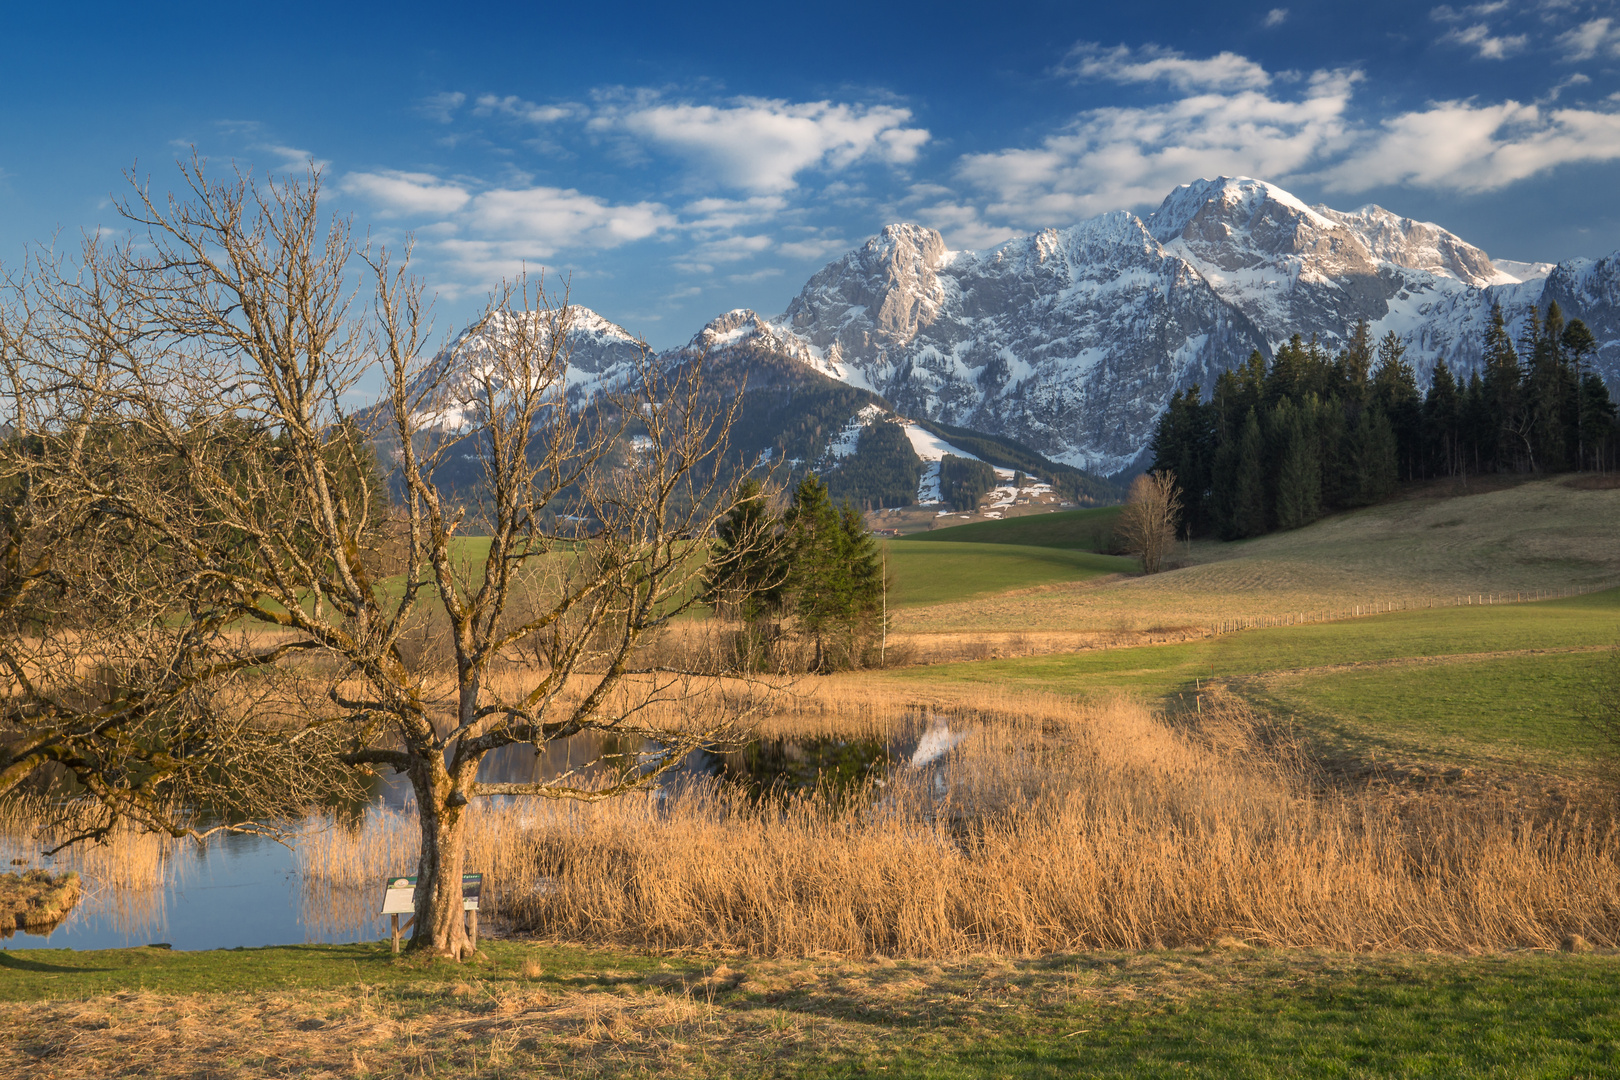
{"points": [[247, 891]]}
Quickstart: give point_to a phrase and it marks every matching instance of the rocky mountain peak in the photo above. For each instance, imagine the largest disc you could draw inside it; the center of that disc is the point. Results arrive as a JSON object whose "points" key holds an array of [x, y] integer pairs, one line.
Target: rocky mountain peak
{"points": [[888, 288], [1417, 245]]}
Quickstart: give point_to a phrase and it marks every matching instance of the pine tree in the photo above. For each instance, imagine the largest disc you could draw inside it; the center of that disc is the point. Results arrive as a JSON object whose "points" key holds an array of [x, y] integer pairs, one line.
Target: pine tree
{"points": [[1184, 444], [832, 583], [1550, 397], [1394, 388], [1578, 342], [1503, 393], [1353, 367], [1442, 421], [1248, 516], [1374, 461], [1299, 480], [747, 570]]}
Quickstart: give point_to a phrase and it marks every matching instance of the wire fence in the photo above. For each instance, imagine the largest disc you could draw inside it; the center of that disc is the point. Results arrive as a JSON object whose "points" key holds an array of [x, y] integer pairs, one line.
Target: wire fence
{"points": [[1384, 607]]}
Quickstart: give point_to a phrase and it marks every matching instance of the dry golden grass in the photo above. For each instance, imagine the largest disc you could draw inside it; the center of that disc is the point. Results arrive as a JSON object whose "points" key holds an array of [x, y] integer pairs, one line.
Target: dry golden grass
{"points": [[737, 1018], [129, 860], [36, 898], [1053, 827]]}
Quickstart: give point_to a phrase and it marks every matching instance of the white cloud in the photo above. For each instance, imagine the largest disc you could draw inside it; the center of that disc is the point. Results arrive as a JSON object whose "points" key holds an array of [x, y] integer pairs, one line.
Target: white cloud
{"points": [[546, 219], [1461, 146], [294, 158], [442, 107], [1447, 13], [726, 214], [814, 247], [1485, 45], [1223, 71], [762, 145], [1591, 38], [402, 193], [1275, 17], [1124, 157], [1129, 156], [517, 109]]}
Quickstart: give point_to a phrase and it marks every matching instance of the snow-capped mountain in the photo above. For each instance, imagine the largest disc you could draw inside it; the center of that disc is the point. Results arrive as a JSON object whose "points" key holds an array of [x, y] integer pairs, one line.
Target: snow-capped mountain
{"points": [[1073, 340], [449, 391]]}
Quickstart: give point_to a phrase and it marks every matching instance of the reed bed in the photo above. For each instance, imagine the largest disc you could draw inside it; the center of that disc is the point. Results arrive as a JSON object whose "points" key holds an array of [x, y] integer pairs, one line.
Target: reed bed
{"points": [[127, 860], [1049, 826]]}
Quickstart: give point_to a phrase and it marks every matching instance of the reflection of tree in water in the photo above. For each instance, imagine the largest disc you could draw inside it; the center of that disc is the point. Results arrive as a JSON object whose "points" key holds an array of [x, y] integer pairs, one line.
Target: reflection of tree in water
{"points": [[834, 767]]}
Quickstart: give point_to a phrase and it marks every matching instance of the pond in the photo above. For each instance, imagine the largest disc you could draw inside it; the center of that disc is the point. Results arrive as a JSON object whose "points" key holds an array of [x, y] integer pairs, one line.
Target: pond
{"points": [[247, 891]]}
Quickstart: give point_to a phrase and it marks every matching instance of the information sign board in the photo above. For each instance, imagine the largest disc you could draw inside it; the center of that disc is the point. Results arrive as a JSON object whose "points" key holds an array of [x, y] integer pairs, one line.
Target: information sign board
{"points": [[400, 897]]}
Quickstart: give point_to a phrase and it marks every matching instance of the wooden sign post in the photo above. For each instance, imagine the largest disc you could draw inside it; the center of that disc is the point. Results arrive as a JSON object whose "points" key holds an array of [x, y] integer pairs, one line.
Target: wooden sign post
{"points": [[399, 898]]}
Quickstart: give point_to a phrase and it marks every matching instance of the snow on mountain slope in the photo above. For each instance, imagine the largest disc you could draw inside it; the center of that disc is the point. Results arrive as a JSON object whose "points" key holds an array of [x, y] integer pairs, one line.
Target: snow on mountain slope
{"points": [[1073, 340], [449, 391], [1069, 340]]}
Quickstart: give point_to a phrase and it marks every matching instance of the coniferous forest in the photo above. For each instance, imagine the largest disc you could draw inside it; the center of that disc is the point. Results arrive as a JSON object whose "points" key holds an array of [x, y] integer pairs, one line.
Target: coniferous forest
{"points": [[1279, 445]]}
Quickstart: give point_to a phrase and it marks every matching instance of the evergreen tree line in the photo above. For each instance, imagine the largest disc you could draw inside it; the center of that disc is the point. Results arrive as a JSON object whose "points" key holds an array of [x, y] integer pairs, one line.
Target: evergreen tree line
{"points": [[812, 571], [1279, 445], [963, 482]]}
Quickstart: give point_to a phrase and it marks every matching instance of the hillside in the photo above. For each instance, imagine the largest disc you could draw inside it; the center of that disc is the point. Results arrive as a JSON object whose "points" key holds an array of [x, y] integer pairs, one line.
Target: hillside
{"points": [[1544, 534]]}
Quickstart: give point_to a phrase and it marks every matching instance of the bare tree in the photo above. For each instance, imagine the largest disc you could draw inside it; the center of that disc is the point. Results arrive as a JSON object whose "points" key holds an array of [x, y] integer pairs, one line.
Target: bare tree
{"points": [[201, 613], [1148, 522]]}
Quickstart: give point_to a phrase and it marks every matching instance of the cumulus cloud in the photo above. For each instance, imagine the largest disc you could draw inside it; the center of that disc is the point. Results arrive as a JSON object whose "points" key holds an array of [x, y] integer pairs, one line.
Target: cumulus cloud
{"points": [[1275, 17], [1223, 71], [442, 107], [548, 219], [1599, 36], [1463, 146], [1127, 156], [398, 194], [515, 108], [1447, 13], [762, 145], [501, 225], [1130, 156], [1486, 46]]}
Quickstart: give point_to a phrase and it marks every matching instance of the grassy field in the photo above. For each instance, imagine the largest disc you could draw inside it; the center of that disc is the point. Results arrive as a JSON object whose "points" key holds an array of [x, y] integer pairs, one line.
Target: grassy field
{"points": [[1502, 683], [527, 1010], [1542, 534], [1076, 530], [934, 573]]}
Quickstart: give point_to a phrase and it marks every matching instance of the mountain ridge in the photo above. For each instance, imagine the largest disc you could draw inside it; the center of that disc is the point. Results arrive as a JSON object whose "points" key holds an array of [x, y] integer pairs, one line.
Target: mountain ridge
{"points": [[1073, 340]]}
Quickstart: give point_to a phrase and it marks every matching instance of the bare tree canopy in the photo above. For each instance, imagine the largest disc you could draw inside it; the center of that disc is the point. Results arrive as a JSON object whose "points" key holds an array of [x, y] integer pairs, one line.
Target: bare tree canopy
{"points": [[211, 599], [1148, 522]]}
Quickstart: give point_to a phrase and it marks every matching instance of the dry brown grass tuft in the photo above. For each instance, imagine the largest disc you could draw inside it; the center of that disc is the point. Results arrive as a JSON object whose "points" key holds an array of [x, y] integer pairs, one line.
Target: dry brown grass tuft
{"points": [[1053, 827]]}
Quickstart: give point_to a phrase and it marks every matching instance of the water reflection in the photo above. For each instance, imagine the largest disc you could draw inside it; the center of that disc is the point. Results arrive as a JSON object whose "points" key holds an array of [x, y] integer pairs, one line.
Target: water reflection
{"points": [[249, 891]]}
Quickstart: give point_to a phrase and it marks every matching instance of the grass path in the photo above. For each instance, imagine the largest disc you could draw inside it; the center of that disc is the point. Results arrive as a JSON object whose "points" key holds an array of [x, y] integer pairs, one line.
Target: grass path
{"points": [[529, 1010]]}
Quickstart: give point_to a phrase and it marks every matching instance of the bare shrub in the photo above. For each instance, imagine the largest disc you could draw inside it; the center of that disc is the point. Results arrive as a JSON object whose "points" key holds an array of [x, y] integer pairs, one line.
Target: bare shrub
{"points": [[1147, 525]]}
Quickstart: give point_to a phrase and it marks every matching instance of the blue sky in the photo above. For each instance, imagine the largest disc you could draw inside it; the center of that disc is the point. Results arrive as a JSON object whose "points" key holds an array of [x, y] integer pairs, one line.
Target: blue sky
{"points": [[676, 161]]}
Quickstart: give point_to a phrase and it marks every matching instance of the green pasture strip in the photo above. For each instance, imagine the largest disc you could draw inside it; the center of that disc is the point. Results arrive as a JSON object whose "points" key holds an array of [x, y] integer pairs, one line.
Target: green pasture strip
{"points": [[939, 573], [1508, 709], [1082, 530], [1198, 1013], [1491, 1017], [37, 974], [1159, 670], [1484, 709]]}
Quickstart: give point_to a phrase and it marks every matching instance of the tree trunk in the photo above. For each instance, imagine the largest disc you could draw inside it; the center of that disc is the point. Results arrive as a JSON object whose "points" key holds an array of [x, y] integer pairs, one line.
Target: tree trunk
{"points": [[441, 810]]}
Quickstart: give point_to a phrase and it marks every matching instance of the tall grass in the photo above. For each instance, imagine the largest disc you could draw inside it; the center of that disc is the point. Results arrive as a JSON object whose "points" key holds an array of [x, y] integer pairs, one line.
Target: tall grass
{"points": [[1053, 826]]}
